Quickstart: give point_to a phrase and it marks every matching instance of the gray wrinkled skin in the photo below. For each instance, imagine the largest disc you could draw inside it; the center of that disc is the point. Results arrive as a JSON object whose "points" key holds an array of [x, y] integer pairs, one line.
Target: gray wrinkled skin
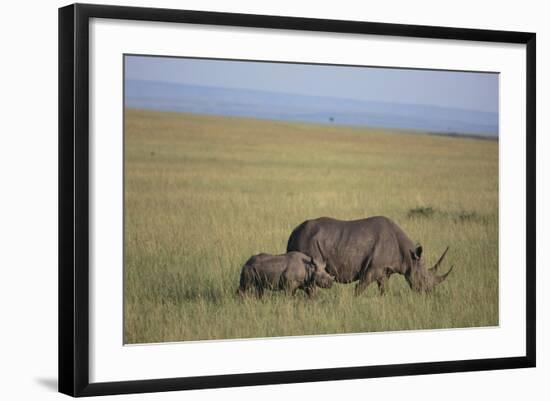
{"points": [[287, 272], [365, 250]]}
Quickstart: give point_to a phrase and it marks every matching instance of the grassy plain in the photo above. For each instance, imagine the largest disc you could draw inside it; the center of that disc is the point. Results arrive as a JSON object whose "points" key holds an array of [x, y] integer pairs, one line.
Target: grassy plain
{"points": [[203, 193]]}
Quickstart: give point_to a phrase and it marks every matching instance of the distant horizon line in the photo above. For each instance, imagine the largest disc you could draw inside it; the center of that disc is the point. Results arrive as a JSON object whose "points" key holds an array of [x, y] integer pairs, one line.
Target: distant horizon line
{"points": [[309, 95], [413, 131]]}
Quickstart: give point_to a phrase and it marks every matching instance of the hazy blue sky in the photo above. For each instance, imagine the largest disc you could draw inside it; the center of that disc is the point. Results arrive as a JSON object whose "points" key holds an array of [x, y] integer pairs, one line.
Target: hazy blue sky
{"points": [[465, 90]]}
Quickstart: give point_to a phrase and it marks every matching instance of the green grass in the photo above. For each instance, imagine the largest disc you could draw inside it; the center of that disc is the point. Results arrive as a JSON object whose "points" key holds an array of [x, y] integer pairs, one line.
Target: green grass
{"points": [[203, 193]]}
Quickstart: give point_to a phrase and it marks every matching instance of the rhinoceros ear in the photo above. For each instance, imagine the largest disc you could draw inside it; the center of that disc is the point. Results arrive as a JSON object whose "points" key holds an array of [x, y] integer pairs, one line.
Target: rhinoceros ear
{"points": [[417, 253]]}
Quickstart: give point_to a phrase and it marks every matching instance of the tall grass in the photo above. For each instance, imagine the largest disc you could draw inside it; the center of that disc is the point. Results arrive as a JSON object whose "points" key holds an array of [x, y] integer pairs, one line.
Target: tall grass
{"points": [[203, 193]]}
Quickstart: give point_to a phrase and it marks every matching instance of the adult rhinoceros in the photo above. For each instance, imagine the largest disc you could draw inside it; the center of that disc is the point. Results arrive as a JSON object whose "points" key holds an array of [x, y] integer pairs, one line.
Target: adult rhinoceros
{"points": [[365, 250]]}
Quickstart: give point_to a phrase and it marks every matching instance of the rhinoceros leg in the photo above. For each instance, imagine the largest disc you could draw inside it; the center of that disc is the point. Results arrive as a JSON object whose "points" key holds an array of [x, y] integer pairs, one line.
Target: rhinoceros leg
{"points": [[364, 282], [365, 277], [310, 291], [382, 280], [382, 285], [259, 292], [290, 287]]}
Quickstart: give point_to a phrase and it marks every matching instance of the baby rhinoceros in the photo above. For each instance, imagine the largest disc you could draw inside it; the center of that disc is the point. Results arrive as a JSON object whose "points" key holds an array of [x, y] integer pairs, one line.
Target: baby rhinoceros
{"points": [[287, 272]]}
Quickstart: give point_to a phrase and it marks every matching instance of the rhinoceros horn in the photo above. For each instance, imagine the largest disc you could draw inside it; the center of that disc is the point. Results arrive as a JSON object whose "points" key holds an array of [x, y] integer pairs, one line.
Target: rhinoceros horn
{"points": [[434, 269], [440, 279]]}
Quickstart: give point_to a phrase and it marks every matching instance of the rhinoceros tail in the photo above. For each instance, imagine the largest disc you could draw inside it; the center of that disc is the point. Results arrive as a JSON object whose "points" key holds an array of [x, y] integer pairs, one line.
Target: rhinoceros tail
{"points": [[290, 243], [294, 238], [242, 282], [248, 279]]}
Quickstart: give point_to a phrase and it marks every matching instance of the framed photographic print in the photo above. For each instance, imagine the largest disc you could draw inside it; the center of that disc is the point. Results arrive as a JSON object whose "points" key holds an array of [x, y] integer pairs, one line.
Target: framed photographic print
{"points": [[250, 199]]}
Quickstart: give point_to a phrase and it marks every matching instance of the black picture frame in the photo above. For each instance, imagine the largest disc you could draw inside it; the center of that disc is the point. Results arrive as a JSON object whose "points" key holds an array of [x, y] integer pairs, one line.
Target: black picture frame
{"points": [[74, 198]]}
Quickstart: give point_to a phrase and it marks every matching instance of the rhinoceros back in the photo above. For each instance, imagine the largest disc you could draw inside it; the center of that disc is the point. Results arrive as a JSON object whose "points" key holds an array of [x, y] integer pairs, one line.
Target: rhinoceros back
{"points": [[346, 245]]}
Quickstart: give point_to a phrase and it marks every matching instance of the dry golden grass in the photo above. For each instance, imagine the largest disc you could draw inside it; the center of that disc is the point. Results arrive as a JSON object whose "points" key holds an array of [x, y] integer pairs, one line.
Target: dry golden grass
{"points": [[203, 193]]}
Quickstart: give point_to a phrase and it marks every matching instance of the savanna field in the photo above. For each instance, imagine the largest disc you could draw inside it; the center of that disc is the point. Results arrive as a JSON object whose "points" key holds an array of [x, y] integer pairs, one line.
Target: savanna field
{"points": [[203, 193]]}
